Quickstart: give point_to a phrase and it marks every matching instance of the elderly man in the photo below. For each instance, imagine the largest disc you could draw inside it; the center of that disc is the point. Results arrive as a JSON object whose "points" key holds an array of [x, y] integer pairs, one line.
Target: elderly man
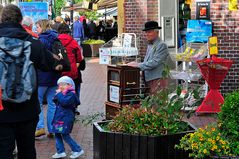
{"points": [[156, 56], [27, 24]]}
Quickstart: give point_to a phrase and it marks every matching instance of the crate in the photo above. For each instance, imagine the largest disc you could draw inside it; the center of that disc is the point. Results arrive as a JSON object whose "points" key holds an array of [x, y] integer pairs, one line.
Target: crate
{"points": [[190, 52]]}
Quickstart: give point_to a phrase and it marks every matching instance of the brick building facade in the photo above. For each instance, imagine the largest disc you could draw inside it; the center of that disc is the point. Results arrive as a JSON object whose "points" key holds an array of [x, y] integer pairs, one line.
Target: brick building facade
{"points": [[225, 26]]}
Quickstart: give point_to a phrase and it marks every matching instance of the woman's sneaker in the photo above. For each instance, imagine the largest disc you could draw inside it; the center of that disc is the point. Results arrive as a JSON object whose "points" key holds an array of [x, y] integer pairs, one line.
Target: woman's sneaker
{"points": [[59, 155], [76, 154]]}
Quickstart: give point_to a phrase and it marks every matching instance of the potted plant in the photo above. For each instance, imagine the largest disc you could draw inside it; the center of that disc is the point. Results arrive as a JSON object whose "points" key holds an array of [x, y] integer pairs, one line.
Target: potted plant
{"points": [[148, 132], [217, 141]]}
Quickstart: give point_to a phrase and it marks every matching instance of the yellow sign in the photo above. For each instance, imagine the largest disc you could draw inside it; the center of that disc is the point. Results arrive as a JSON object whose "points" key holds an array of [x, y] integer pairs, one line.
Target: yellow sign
{"points": [[188, 2], [232, 5], [213, 45]]}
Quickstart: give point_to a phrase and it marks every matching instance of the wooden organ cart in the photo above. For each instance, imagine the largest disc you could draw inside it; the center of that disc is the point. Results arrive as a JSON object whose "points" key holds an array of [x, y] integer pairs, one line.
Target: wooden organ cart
{"points": [[123, 82]]}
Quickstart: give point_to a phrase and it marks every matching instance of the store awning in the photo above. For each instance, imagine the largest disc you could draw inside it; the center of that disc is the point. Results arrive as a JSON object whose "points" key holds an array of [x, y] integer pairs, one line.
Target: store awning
{"points": [[109, 11], [77, 7], [102, 4]]}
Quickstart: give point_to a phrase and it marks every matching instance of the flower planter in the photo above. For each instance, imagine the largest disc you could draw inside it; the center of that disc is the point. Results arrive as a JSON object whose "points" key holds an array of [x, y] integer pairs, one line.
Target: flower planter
{"points": [[86, 50], [111, 145], [224, 157], [91, 50], [95, 49]]}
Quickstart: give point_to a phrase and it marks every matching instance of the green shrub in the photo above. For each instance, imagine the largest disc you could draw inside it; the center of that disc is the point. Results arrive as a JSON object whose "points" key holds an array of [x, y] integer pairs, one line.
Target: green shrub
{"points": [[229, 120], [158, 115]]}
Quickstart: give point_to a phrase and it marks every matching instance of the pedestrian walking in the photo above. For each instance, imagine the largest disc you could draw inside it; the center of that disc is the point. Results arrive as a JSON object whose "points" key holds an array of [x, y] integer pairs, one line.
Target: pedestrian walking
{"points": [[74, 55], [92, 27], [78, 31], [19, 116], [86, 30], [101, 30], [57, 22], [66, 102], [67, 20], [27, 24], [47, 81]]}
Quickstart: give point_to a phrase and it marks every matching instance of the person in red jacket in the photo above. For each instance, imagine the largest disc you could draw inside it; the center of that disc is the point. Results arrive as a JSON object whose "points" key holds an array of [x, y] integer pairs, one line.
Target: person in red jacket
{"points": [[74, 54], [27, 24]]}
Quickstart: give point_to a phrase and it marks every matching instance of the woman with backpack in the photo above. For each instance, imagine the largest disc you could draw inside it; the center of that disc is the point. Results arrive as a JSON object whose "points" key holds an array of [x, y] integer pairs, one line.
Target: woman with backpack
{"points": [[74, 55], [47, 81]]}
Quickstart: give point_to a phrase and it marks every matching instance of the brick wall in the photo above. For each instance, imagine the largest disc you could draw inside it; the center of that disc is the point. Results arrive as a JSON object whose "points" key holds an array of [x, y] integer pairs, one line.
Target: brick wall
{"points": [[137, 12], [226, 27]]}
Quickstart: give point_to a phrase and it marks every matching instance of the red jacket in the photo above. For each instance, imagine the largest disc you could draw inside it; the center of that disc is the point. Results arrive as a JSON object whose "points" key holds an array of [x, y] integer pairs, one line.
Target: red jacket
{"points": [[73, 52]]}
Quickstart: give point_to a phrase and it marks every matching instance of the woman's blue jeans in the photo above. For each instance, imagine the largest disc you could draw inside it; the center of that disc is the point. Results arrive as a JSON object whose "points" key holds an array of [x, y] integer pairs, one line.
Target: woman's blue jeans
{"points": [[51, 107], [67, 138]]}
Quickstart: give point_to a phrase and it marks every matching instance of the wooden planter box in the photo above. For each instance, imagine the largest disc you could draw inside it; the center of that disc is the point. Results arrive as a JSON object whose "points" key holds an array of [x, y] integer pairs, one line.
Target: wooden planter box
{"points": [[95, 49], [86, 50], [111, 145], [224, 157]]}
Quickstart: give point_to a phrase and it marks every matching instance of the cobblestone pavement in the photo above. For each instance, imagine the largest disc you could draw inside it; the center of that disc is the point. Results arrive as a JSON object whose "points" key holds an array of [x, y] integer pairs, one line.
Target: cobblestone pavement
{"points": [[93, 96]]}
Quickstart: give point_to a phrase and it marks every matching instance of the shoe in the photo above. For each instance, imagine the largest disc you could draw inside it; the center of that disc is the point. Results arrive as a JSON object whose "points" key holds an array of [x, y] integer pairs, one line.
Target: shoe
{"points": [[40, 132], [77, 110], [59, 155], [50, 135], [76, 154]]}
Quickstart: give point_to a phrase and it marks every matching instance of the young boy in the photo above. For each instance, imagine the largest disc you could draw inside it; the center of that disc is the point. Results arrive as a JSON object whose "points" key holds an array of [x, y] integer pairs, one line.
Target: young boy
{"points": [[66, 103]]}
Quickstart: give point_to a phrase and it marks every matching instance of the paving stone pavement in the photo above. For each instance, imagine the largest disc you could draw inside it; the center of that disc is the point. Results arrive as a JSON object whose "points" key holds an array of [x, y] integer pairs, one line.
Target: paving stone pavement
{"points": [[93, 96]]}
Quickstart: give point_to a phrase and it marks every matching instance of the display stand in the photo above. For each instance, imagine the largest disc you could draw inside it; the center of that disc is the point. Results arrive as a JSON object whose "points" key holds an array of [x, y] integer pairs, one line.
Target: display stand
{"points": [[214, 71], [187, 69], [119, 50]]}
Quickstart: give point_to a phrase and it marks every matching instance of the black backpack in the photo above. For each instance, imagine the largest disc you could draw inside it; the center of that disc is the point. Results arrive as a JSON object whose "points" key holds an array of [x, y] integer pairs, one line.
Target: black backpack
{"points": [[59, 50]]}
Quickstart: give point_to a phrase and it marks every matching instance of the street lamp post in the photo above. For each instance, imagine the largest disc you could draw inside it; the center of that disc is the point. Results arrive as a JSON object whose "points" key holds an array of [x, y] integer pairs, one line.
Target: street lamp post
{"points": [[72, 10]]}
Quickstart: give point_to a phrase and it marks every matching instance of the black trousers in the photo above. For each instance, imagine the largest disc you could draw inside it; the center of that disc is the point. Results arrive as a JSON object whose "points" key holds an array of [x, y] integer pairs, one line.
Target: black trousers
{"points": [[23, 133]]}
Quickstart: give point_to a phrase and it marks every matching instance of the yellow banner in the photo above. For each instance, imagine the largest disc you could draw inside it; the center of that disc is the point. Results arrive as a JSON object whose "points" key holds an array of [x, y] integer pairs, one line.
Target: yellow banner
{"points": [[233, 5], [213, 45]]}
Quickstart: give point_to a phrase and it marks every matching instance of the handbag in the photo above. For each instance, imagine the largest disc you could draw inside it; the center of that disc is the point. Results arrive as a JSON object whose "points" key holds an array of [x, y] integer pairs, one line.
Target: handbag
{"points": [[82, 65]]}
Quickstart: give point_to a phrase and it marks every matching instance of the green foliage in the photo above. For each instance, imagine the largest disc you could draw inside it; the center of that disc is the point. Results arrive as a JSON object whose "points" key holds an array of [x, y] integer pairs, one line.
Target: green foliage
{"points": [[229, 120], [221, 140], [92, 41], [92, 15], [59, 4], [158, 115], [166, 71], [205, 143], [89, 119], [79, 1]]}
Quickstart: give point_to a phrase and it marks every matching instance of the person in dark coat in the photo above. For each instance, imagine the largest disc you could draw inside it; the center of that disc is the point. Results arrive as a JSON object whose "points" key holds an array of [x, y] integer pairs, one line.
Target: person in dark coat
{"points": [[58, 21], [92, 27], [18, 120], [86, 29], [67, 20], [66, 102], [47, 81], [101, 30], [74, 55]]}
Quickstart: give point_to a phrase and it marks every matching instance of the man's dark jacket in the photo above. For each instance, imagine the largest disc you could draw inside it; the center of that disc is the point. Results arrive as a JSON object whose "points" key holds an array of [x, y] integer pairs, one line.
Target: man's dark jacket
{"points": [[42, 59]]}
